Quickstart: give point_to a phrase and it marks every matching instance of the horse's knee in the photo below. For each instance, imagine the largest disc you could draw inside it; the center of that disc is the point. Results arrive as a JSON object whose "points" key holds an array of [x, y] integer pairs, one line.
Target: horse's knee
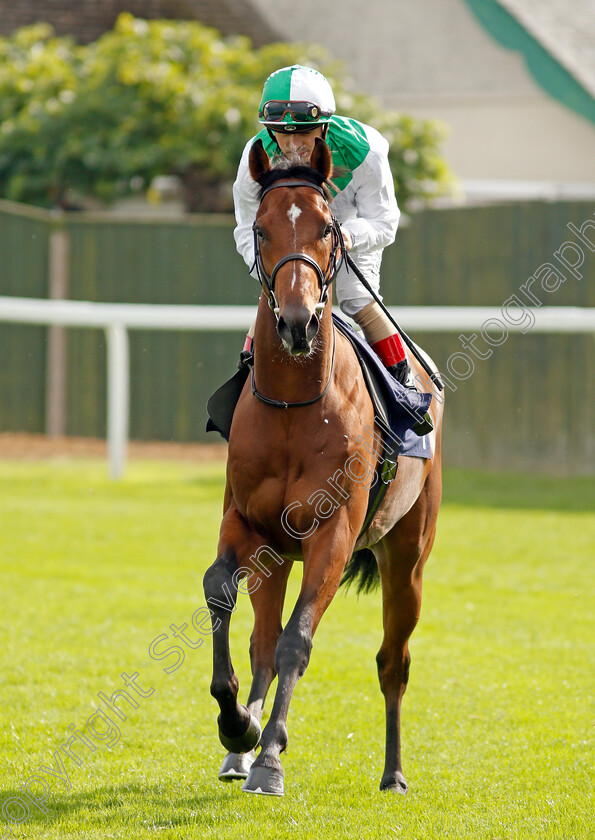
{"points": [[293, 651], [217, 576], [212, 579]]}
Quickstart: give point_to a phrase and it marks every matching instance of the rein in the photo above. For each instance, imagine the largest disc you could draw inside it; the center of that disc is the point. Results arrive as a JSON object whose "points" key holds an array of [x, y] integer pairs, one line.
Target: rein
{"points": [[325, 279]]}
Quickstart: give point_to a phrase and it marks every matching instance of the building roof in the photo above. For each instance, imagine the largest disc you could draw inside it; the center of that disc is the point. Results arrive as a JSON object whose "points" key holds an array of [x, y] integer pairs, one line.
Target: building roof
{"points": [[230, 17], [557, 43], [86, 21], [566, 30]]}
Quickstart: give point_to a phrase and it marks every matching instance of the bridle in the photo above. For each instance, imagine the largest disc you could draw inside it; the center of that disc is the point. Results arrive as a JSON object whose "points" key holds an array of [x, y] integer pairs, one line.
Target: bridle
{"points": [[325, 278]]}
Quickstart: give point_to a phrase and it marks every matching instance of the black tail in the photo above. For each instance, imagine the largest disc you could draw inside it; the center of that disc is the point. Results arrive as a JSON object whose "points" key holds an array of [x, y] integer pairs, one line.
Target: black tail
{"points": [[362, 570]]}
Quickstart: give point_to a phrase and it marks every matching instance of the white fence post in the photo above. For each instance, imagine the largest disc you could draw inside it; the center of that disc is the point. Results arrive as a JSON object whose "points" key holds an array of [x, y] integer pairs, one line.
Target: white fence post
{"points": [[118, 399], [56, 365]]}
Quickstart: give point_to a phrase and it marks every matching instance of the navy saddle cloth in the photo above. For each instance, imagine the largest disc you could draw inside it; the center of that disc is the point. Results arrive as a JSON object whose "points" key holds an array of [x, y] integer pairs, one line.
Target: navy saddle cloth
{"points": [[397, 408]]}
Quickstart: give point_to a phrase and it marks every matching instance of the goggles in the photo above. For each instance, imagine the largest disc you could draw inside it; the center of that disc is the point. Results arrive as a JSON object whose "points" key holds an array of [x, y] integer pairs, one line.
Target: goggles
{"points": [[300, 112]]}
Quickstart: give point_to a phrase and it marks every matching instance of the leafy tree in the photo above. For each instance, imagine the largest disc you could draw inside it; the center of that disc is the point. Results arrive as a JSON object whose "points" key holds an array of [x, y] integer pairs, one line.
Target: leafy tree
{"points": [[160, 98]]}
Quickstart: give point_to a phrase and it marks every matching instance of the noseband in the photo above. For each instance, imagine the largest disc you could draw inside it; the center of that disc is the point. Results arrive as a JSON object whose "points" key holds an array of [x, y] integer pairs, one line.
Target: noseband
{"points": [[325, 277]]}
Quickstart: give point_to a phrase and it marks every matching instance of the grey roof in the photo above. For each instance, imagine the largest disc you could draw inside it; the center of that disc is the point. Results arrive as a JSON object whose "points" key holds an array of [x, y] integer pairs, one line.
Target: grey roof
{"points": [[88, 19], [230, 17], [565, 29]]}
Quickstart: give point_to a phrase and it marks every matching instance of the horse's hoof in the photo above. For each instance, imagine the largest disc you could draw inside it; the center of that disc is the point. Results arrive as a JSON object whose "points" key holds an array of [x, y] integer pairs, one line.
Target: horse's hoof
{"points": [[236, 766], [395, 783], [242, 743], [265, 781]]}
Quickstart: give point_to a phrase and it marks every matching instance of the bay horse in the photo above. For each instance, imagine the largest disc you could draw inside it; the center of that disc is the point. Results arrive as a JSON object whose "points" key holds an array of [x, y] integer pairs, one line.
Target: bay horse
{"points": [[295, 428]]}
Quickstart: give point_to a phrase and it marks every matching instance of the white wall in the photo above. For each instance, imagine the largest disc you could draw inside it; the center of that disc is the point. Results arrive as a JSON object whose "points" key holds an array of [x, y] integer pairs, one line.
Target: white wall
{"points": [[518, 138], [431, 58]]}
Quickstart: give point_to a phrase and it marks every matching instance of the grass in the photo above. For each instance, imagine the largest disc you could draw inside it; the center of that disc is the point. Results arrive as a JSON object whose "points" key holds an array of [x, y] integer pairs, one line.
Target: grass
{"points": [[497, 725]]}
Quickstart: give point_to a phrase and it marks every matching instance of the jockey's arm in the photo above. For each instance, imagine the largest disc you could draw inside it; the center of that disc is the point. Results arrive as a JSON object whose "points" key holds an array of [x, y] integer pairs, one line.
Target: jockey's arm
{"points": [[376, 211], [245, 199]]}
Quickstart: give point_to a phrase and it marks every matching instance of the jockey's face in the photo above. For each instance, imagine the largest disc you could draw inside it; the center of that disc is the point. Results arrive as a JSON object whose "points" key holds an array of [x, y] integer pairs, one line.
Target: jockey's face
{"points": [[301, 142]]}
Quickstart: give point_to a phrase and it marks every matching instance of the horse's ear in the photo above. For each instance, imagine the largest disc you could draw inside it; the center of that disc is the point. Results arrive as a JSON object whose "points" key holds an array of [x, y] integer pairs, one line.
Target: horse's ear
{"points": [[321, 159], [258, 160]]}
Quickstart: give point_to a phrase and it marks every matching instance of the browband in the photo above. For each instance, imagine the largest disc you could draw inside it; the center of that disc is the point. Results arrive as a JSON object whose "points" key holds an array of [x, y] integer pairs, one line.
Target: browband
{"points": [[282, 183]]}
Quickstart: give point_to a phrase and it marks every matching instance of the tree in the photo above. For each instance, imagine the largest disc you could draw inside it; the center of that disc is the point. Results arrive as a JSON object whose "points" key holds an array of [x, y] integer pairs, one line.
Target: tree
{"points": [[164, 98]]}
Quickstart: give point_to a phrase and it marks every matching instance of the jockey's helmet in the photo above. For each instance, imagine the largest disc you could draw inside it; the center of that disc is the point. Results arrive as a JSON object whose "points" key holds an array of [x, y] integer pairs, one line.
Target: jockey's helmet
{"points": [[296, 98]]}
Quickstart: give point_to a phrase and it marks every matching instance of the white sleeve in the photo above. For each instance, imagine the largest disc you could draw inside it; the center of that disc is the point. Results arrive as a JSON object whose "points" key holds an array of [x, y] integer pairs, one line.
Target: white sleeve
{"points": [[245, 200], [376, 211]]}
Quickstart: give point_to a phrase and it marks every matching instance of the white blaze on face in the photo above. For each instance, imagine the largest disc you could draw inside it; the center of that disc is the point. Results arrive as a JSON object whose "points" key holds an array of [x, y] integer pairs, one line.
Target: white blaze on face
{"points": [[293, 214]]}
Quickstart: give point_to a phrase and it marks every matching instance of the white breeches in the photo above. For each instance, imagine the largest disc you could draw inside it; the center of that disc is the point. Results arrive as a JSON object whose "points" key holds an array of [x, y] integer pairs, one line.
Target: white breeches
{"points": [[351, 295]]}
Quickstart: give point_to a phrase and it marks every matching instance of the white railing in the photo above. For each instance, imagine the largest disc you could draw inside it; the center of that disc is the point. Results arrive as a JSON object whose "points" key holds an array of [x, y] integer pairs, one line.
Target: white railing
{"points": [[117, 318]]}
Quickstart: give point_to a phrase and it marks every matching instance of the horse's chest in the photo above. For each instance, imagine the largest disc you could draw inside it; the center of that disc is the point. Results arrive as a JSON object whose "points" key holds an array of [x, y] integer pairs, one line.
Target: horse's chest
{"points": [[285, 493], [267, 486]]}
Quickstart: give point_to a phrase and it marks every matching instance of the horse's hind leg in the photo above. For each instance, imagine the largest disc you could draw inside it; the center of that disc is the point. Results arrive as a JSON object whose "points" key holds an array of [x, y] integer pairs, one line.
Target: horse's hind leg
{"points": [[267, 602], [401, 557]]}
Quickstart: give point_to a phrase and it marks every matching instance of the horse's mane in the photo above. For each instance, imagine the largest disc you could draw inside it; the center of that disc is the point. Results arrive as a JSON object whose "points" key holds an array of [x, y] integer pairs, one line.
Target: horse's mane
{"points": [[294, 167]]}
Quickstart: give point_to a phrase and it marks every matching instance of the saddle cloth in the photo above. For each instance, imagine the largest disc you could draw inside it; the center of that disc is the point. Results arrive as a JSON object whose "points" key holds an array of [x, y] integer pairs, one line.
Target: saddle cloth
{"points": [[395, 406]]}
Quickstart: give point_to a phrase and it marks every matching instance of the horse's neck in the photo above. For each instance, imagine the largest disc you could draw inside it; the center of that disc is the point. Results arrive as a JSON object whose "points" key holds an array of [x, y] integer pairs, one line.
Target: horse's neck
{"points": [[279, 376]]}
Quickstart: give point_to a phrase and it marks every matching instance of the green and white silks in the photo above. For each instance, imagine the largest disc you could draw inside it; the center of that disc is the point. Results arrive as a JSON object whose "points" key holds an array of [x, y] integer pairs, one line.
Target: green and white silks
{"points": [[365, 205]]}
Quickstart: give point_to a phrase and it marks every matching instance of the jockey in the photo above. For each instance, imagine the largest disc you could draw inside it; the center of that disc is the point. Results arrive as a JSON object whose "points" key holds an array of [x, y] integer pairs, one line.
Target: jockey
{"points": [[296, 107]]}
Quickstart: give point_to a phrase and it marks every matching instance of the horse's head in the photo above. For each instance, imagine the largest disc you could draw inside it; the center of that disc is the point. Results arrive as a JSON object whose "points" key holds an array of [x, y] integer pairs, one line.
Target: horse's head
{"points": [[297, 242]]}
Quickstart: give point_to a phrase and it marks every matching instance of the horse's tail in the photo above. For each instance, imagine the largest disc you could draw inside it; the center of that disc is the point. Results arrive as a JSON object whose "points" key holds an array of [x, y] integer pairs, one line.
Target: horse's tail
{"points": [[362, 570]]}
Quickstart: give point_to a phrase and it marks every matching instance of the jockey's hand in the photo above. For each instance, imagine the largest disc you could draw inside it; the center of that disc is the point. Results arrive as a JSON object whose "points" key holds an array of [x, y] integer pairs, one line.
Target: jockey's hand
{"points": [[347, 239]]}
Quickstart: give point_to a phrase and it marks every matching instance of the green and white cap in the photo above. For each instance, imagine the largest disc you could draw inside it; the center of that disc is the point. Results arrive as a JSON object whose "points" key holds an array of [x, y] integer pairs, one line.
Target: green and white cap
{"points": [[296, 96]]}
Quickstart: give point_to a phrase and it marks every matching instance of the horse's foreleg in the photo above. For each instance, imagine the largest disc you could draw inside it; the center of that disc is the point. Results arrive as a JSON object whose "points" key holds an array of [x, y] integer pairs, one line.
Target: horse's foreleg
{"points": [[323, 567], [267, 596], [239, 731], [401, 557]]}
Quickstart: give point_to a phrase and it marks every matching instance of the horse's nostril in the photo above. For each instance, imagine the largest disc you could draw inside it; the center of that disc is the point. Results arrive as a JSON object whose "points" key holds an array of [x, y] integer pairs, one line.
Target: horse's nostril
{"points": [[297, 328], [283, 330], [312, 328]]}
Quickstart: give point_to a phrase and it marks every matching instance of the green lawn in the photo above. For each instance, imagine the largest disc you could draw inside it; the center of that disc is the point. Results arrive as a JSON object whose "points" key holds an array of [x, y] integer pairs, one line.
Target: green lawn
{"points": [[497, 722]]}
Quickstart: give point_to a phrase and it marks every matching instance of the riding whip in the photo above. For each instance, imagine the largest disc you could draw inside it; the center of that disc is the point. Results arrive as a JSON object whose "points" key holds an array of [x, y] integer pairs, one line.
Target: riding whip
{"points": [[433, 374]]}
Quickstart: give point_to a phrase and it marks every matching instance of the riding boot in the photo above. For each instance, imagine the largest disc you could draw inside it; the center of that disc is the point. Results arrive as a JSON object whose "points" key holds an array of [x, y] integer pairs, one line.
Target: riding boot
{"points": [[402, 373], [246, 359], [392, 354], [247, 354]]}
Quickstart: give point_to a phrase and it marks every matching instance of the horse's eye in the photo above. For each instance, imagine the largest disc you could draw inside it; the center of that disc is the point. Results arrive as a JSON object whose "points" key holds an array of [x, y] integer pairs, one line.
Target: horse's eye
{"points": [[258, 231], [328, 230]]}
